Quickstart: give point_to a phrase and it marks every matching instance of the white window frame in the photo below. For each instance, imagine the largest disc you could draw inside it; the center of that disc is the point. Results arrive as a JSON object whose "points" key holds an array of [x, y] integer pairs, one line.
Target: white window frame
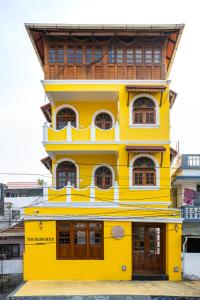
{"points": [[132, 125], [144, 187]]}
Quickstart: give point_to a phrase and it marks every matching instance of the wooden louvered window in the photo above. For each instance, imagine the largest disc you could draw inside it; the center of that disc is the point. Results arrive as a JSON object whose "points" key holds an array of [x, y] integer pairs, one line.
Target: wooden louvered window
{"points": [[98, 55], [80, 240], [56, 53], [144, 172], [138, 56], [148, 56], [64, 116], [65, 172], [103, 177], [129, 56], [144, 111], [157, 56], [103, 121]]}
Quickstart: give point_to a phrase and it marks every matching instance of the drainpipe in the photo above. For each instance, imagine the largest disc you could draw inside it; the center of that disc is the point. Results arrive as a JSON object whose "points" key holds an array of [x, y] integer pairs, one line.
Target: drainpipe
{"points": [[184, 248]]}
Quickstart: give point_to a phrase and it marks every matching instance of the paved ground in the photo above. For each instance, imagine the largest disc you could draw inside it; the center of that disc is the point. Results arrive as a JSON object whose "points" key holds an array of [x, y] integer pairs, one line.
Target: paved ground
{"points": [[69, 288]]}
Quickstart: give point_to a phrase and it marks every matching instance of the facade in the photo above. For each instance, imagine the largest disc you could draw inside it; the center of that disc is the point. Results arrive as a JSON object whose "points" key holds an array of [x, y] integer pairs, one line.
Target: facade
{"points": [[186, 195], [107, 215]]}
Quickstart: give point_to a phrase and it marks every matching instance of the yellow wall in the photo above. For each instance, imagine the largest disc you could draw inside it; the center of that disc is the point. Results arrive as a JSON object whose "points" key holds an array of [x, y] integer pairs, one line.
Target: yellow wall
{"points": [[40, 260], [43, 263]]}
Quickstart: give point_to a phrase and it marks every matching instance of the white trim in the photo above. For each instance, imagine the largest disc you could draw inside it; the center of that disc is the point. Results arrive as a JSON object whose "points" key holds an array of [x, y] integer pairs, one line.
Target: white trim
{"points": [[104, 111], [45, 132], [62, 160], [131, 186], [109, 167], [58, 108], [135, 82], [105, 218], [93, 204], [142, 126], [131, 124], [121, 142]]}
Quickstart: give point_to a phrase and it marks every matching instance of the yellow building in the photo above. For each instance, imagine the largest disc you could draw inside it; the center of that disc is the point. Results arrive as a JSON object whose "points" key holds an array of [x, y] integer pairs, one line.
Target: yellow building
{"points": [[107, 215]]}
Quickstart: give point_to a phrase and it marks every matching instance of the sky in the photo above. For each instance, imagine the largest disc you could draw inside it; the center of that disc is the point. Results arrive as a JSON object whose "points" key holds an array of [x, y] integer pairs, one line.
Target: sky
{"points": [[22, 94]]}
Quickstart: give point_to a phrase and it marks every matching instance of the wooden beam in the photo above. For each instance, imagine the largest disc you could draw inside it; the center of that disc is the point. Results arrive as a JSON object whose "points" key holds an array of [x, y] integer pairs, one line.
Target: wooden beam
{"points": [[161, 160], [128, 160], [161, 98]]}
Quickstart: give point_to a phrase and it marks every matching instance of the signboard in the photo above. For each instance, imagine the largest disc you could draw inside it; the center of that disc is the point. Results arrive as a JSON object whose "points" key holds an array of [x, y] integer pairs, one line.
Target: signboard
{"points": [[191, 197]]}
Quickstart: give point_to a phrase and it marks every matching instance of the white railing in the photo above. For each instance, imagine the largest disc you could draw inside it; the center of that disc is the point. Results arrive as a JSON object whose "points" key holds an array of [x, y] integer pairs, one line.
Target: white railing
{"points": [[92, 128], [69, 193]]}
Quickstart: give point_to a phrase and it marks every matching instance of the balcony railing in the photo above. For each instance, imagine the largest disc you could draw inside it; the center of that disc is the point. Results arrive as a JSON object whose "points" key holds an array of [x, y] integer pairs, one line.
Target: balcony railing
{"points": [[70, 134], [189, 161], [191, 212], [89, 194]]}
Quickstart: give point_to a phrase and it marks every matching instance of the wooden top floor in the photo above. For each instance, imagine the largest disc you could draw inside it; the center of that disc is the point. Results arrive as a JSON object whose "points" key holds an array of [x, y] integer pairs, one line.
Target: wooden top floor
{"points": [[105, 51]]}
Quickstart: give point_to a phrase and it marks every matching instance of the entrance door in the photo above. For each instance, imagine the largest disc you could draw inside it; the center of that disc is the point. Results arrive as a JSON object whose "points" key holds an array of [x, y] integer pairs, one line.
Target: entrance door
{"points": [[148, 248]]}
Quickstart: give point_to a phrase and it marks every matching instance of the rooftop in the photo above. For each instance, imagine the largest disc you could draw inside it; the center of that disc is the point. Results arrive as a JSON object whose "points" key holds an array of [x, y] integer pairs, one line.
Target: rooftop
{"points": [[37, 32], [22, 185]]}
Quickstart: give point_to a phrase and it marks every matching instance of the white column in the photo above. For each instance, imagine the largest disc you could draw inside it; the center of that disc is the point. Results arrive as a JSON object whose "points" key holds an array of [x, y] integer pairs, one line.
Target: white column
{"points": [[68, 192], [45, 132], [69, 132], [117, 133], [45, 192], [92, 192], [116, 192], [92, 132]]}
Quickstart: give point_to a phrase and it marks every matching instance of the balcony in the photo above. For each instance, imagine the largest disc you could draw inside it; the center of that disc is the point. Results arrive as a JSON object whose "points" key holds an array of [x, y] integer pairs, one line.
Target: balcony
{"points": [[70, 134], [73, 196], [189, 161], [191, 213]]}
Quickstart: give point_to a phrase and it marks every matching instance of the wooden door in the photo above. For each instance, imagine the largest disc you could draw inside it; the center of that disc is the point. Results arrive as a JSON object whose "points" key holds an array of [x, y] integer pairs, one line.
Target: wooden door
{"points": [[148, 248]]}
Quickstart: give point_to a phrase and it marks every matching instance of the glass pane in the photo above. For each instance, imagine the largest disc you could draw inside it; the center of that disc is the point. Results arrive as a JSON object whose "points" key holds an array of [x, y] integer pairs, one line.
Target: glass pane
{"points": [[64, 238], [129, 56], [148, 56], [111, 56], [80, 225], [98, 55], [138, 56], [157, 56], [95, 225], [95, 238], [80, 237], [119, 58], [88, 57]]}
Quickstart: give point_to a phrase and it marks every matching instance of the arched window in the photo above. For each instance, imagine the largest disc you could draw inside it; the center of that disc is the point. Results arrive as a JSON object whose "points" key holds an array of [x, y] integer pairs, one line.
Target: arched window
{"points": [[64, 116], [66, 172], [144, 111], [103, 177], [144, 171], [104, 121]]}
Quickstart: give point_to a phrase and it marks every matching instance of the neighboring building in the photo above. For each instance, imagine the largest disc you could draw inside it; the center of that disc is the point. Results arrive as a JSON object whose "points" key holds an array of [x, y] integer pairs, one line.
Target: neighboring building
{"points": [[107, 215], [186, 195], [11, 249], [18, 195]]}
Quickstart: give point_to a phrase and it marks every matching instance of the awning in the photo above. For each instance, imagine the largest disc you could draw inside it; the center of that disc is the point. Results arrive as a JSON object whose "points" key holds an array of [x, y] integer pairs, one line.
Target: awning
{"points": [[145, 149], [173, 154], [172, 97], [46, 109], [47, 162], [145, 88]]}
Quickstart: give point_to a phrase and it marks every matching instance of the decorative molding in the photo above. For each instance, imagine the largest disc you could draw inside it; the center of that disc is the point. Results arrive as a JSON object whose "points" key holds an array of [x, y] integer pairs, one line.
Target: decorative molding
{"points": [[58, 108], [146, 188], [60, 161], [106, 218], [132, 125], [121, 142]]}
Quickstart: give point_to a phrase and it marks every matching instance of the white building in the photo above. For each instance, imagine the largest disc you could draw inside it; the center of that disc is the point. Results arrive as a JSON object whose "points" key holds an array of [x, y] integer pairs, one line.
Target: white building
{"points": [[186, 195]]}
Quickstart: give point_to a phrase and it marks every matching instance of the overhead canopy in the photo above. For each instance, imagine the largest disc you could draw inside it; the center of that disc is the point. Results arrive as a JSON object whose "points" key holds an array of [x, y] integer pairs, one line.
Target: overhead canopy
{"points": [[47, 162], [145, 149], [173, 154], [172, 97], [171, 32], [46, 109]]}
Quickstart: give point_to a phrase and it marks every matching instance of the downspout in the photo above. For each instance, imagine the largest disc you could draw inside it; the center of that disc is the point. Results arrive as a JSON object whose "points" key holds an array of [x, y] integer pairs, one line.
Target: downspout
{"points": [[184, 248]]}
